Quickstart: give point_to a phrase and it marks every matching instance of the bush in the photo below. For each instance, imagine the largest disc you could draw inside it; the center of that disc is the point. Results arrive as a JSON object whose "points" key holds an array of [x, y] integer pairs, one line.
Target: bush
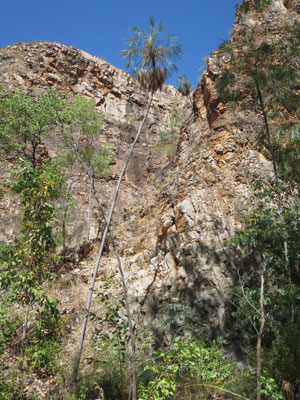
{"points": [[193, 359]]}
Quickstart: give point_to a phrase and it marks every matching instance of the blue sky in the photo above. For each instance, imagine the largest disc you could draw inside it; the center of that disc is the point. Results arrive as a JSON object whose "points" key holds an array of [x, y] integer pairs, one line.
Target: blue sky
{"points": [[101, 27]]}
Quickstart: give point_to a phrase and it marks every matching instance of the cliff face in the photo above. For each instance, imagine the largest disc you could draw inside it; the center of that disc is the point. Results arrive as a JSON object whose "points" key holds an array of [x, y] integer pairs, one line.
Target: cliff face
{"points": [[35, 67], [201, 196], [176, 212]]}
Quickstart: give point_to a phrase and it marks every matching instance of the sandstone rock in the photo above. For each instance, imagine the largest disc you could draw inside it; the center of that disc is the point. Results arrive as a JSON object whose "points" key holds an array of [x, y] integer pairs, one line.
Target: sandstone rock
{"points": [[175, 214]]}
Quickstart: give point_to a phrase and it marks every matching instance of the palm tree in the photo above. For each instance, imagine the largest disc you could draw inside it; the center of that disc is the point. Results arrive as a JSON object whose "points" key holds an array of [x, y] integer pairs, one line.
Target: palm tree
{"points": [[149, 57], [184, 86]]}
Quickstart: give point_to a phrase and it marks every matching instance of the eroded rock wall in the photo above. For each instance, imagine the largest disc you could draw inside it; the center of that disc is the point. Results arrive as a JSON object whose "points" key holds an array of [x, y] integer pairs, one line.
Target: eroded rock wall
{"points": [[35, 67], [173, 223], [180, 251]]}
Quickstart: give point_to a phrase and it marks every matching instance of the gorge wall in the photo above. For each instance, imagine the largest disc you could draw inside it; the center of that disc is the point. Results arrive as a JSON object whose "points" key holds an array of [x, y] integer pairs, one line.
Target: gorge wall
{"points": [[180, 203]]}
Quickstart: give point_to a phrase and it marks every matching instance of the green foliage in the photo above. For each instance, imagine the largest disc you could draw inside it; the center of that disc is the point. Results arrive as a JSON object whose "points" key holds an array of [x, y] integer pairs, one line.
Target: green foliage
{"points": [[224, 87], [245, 6], [40, 347], [225, 46], [243, 385], [263, 240], [269, 389], [179, 319], [192, 358], [183, 85], [39, 189], [110, 344], [81, 117], [81, 127], [173, 125], [8, 327], [267, 229], [116, 328], [10, 389], [27, 261], [282, 360], [32, 338], [83, 390], [166, 148], [265, 75], [248, 67], [24, 122], [149, 55], [80, 124]]}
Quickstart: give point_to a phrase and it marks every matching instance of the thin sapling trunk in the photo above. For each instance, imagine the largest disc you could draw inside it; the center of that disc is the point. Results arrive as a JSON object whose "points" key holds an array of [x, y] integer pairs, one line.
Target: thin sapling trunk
{"points": [[275, 170], [24, 332], [87, 310], [90, 203], [126, 298], [259, 337]]}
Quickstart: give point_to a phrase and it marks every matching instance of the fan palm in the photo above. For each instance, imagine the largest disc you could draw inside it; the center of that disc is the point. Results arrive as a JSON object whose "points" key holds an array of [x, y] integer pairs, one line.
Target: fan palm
{"points": [[149, 58], [150, 55]]}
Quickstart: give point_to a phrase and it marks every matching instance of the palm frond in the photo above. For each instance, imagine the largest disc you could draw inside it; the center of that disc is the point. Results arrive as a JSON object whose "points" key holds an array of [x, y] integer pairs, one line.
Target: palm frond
{"points": [[150, 55]]}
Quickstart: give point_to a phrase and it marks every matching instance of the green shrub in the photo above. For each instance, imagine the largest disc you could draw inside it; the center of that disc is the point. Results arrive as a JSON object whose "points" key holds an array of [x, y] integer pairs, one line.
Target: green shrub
{"points": [[188, 359]]}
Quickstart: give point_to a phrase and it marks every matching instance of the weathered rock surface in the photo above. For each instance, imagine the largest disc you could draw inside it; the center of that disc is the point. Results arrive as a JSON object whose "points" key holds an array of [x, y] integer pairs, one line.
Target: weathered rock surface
{"points": [[201, 196], [175, 213], [35, 67]]}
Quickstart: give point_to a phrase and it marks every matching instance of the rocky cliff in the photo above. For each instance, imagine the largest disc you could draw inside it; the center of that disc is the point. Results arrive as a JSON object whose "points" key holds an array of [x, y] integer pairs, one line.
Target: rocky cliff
{"points": [[36, 67], [181, 202]]}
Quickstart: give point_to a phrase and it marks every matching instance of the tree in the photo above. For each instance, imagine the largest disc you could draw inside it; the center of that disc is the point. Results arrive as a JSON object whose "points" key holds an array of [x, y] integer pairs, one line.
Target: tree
{"points": [[266, 298], [26, 263], [271, 82], [262, 75], [184, 86], [285, 112], [24, 123], [252, 310], [189, 358], [80, 126], [150, 56], [268, 74]]}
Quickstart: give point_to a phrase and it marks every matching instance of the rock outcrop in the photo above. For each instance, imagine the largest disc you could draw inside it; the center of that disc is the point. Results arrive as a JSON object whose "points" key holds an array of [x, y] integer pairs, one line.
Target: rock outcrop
{"points": [[38, 66], [176, 213]]}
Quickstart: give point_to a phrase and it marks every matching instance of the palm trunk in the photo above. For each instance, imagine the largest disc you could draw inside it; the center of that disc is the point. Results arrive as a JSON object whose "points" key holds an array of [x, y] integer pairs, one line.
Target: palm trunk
{"points": [[90, 204], [79, 352], [126, 298], [259, 337]]}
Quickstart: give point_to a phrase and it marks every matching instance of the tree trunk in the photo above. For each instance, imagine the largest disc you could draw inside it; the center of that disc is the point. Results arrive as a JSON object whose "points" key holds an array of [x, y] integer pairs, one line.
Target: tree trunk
{"points": [[79, 352], [131, 333], [129, 316], [259, 337], [24, 333], [275, 170], [90, 204], [270, 140]]}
